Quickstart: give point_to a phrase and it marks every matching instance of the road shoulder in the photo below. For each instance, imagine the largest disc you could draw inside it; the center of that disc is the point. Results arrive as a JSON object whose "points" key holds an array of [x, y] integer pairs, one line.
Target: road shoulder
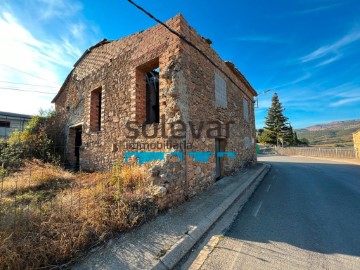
{"points": [[164, 241]]}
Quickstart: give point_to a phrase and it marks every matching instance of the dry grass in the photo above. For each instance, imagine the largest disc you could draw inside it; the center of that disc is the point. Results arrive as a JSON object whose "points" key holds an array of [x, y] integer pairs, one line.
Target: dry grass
{"points": [[48, 215]]}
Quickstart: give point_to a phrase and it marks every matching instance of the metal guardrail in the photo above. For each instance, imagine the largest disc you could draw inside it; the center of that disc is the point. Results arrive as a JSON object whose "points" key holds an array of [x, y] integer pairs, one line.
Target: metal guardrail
{"points": [[328, 152], [265, 149]]}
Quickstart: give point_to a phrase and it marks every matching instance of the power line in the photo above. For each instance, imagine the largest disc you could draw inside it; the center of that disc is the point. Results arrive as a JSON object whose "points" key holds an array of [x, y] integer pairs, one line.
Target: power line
{"points": [[29, 74], [26, 90], [38, 85], [189, 43]]}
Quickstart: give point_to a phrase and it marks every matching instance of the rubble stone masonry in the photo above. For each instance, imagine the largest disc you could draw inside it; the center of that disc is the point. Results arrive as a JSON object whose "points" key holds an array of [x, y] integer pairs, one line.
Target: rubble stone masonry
{"points": [[108, 85], [356, 138]]}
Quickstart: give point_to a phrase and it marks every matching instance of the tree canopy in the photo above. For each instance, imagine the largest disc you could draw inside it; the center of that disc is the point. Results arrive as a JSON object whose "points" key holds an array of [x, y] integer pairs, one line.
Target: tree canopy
{"points": [[277, 130]]}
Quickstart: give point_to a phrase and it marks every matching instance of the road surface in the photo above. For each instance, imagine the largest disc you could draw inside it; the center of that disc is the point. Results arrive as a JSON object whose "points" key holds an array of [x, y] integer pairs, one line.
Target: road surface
{"points": [[304, 215]]}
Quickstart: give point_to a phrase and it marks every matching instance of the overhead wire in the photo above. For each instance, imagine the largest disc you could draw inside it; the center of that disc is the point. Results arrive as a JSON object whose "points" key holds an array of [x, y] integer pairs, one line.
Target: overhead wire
{"points": [[27, 73], [29, 84], [190, 44], [26, 90]]}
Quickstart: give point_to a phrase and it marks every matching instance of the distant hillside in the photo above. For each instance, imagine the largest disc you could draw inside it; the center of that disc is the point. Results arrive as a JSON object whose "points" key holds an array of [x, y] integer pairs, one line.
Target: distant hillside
{"points": [[338, 133]]}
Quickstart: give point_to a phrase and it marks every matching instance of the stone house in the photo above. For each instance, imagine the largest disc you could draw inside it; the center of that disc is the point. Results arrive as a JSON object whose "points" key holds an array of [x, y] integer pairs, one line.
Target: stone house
{"points": [[154, 92]]}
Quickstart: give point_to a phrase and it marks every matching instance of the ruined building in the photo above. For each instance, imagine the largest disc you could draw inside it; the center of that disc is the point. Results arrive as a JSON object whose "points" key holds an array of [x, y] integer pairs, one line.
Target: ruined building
{"points": [[154, 92]]}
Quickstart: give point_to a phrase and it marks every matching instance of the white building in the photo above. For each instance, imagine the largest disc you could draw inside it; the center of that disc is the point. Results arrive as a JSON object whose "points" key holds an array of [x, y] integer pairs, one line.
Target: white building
{"points": [[9, 122]]}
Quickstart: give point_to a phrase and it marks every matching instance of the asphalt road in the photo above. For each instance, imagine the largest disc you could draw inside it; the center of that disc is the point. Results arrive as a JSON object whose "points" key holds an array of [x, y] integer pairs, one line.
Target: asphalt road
{"points": [[304, 215]]}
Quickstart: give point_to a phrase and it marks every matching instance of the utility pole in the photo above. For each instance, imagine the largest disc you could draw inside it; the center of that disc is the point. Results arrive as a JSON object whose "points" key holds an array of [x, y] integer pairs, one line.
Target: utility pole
{"points": [[261, 93]]}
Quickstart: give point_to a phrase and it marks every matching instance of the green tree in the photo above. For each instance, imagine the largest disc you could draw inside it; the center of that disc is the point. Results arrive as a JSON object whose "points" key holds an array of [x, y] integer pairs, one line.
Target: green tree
{"points": [[266, 137], [289, 135], [258, 135], [276, 127], [295, 138], [304, 141]]}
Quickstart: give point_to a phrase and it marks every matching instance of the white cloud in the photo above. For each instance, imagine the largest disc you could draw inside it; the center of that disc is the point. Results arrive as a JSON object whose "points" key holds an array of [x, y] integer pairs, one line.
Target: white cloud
{"points": [[321, 7], [332, 51], [22, 51], [304, 77], [34, 54], [330, 60], [78, 30], [346, 90], [57, 8], [344, 101]]}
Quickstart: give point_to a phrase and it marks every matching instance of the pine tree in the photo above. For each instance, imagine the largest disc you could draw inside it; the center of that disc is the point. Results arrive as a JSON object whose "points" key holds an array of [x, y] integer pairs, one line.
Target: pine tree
{"points": [[275, 123], [295, 139], [289, 135]]}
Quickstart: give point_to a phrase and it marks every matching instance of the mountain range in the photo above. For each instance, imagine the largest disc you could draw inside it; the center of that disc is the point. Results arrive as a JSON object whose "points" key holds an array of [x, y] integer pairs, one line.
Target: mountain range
{"points": [[337, 133]]}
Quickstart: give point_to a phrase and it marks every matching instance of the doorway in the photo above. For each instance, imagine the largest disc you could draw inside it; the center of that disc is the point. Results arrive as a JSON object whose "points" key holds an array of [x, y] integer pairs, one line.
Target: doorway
{"points": [[219, 147], [77, 145], [73, 147]]}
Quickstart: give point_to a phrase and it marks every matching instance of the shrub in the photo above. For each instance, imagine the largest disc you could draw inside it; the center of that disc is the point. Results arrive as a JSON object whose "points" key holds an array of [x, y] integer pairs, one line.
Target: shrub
{"points": [[10, 155], [2, 173], [35, 141], [129, 177]]}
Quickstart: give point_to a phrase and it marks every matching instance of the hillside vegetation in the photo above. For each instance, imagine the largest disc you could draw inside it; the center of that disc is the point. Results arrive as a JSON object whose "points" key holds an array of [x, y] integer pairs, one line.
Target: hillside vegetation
{"points": [[337, 133]]}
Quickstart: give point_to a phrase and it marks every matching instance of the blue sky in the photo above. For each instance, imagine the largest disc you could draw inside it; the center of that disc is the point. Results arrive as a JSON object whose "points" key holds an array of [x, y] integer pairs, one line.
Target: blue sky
{"points": [[307, 51]]}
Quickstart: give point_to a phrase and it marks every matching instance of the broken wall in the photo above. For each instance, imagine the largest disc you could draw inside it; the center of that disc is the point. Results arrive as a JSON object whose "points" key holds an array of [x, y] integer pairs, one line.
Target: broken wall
{"points": [[186, 82], [198, 79]]}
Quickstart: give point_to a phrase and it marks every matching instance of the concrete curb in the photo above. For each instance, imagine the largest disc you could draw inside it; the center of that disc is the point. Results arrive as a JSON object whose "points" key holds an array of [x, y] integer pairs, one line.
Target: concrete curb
{"points": [[184, 245]]}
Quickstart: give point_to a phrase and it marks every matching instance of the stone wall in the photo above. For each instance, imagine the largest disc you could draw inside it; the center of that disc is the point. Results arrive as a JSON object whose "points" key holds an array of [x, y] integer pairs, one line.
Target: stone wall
{"points": [[356, 138], [187, 93], [113, 68], [198, 81]]}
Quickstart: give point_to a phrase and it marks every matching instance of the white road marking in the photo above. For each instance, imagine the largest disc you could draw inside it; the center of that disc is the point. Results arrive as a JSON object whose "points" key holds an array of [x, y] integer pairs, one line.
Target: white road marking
{"points": [[236, 257], [268, 188], [257, 209]]}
